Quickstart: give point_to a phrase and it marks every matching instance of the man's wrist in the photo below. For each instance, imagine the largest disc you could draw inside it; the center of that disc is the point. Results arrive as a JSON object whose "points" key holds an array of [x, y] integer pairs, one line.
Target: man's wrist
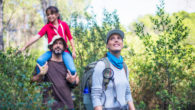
{"points": [[72, 85], [41, 74]]}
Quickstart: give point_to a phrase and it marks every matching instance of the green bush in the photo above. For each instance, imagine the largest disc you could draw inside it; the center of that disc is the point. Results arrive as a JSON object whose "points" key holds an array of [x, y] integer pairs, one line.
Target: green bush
{"points": [[90, 38], [165, 71], [17, 69], [17, 91]]}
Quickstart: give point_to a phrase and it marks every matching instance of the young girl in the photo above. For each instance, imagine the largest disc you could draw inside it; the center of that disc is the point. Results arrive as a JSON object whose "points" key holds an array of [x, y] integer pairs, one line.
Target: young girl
{"points": [[55, 27]]}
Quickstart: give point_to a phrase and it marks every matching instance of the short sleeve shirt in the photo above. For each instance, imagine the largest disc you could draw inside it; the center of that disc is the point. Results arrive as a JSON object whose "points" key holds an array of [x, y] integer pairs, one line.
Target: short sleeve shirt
{"points": [[49, 30], [59, 89]]}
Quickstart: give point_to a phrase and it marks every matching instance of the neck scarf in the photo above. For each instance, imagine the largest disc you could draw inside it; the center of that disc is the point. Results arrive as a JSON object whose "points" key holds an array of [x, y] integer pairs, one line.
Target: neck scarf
{"points": [[117, 62]]}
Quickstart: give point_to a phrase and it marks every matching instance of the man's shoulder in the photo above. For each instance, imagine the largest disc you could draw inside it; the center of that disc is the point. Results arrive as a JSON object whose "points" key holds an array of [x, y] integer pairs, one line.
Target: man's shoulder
{"points": [[55, 62]]}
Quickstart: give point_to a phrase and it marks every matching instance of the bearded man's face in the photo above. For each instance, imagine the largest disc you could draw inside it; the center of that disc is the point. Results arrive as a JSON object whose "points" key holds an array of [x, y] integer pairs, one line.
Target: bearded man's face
{"points": [[58, 47]]}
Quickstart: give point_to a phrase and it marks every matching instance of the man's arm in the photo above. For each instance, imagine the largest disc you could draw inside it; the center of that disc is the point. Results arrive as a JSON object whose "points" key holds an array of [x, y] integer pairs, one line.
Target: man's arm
{"points": [[72, 79], [37, 78]]}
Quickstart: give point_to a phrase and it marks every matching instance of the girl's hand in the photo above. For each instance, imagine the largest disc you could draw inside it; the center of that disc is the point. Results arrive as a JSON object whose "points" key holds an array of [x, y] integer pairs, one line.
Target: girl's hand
{"points": [[20, 51], [73, 54]]}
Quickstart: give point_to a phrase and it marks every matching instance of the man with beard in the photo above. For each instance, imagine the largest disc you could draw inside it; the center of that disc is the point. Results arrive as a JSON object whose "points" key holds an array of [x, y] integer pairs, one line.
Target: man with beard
{"points": [[55, 72]]}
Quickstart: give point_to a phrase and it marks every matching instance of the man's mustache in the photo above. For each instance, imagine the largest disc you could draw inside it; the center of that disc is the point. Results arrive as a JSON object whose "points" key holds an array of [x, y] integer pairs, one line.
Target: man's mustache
{"points": [[58, 48]]}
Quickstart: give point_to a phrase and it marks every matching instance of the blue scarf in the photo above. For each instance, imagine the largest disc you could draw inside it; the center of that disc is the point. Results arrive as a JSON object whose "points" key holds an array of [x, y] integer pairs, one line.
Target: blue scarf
{"points": [[117, 62]]}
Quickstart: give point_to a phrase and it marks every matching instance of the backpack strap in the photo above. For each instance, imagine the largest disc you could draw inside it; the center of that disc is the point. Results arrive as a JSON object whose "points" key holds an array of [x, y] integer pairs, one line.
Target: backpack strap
{"points": [[106, 61], [105, 81], [107, 65], [125, 67]]}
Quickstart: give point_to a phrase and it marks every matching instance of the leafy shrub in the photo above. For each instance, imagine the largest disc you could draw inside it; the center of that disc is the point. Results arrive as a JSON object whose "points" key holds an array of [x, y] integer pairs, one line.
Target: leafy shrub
{"points": [[17, 91], [165, 70]]}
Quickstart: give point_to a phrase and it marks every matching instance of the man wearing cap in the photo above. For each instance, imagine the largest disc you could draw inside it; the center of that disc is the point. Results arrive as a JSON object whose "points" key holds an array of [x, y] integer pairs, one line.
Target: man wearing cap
{"points": [[55, 72], [117, 96]]}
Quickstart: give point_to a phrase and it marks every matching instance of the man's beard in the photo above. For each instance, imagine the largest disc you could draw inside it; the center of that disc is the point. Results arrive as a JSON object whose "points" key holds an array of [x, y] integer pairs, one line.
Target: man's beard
{"points": [[57, 51]]}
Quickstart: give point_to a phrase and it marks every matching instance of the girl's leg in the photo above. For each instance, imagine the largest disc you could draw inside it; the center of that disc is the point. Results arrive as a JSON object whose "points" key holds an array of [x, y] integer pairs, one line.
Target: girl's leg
{"points": [[68, 61], [42, 59]]}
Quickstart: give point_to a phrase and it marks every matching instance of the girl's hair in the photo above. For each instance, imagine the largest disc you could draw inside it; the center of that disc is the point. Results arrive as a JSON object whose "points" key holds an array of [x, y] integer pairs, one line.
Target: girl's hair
{"points": [[54, 10]]}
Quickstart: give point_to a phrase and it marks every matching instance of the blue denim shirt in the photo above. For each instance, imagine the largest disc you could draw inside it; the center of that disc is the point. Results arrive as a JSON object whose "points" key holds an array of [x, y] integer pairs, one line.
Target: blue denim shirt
{"points": [[122, 91]]}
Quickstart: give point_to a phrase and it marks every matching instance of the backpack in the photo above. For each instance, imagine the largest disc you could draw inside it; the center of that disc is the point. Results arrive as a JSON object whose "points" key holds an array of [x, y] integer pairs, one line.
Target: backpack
{"points": [[86, 81]]}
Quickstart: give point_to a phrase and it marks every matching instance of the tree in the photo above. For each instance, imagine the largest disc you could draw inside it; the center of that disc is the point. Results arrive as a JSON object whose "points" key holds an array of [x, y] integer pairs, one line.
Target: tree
{"points": [[90, 40], [69, 7], [1, 25], [24, 18], [44, 5], [167, 63]]}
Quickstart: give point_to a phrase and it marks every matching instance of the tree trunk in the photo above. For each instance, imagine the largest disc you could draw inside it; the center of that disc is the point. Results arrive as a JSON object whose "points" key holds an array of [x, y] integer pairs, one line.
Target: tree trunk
{"points": [[1, 25], [44, 5]]}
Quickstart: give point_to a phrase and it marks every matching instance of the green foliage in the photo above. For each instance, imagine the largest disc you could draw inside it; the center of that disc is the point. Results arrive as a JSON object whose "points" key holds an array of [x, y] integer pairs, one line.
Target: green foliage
{"points": [[90, 40], [161, 70], [17, 91], [188, 21], [166, 69], [16, 70]]}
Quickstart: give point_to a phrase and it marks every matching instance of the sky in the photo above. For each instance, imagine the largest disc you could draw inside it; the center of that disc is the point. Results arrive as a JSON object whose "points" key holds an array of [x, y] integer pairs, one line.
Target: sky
{"points": [[130, 10]]}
